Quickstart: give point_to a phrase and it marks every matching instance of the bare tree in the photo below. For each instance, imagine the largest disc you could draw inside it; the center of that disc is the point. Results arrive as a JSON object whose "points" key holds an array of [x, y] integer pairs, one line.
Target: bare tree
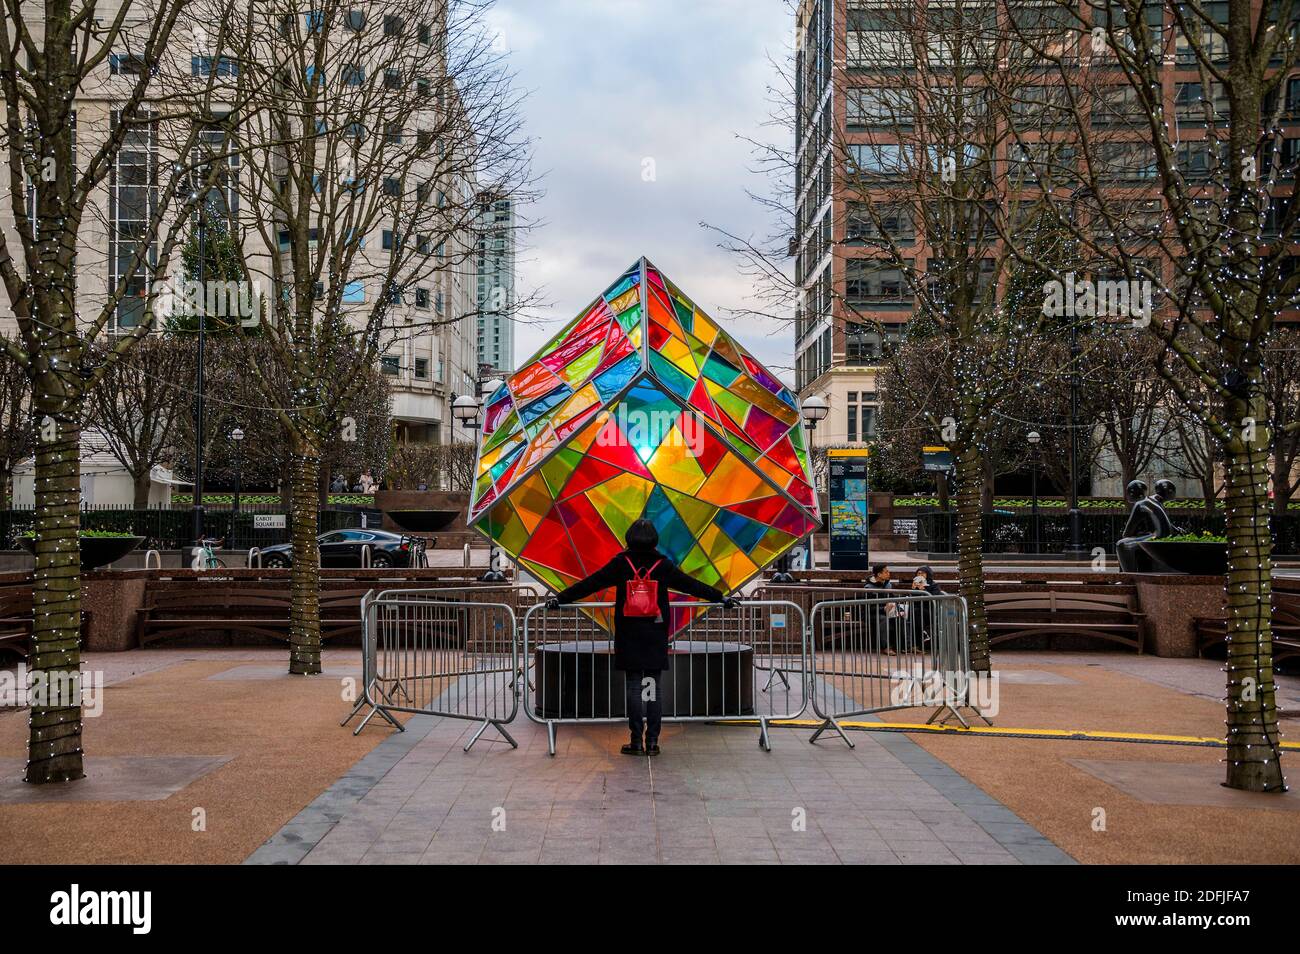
{"points": [[60, 159], [140, 404], [1184, 191], [1282, 382], [368, 136], [1132, 402], [17, 438]]}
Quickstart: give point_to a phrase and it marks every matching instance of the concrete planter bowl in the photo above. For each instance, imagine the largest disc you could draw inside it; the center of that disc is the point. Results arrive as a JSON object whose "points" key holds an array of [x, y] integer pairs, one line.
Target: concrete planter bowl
{"points": [[95, 551], [422, 521], [1187, 556]]}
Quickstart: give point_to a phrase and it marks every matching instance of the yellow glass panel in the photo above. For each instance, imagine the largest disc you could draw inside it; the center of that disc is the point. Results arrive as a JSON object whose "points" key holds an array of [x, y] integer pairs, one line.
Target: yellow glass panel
{"points": [[531, 501], [732, 482], [508, 529], [679, 353], [696, 514], [620, 500], [703, 327], [729, 559], [674, 466], [626, 300], [575, 405]]}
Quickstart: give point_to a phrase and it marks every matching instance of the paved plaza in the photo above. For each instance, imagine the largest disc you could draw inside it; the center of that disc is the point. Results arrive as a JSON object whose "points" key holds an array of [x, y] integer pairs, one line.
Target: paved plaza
{"points": [[713, 796], [259, 756]]}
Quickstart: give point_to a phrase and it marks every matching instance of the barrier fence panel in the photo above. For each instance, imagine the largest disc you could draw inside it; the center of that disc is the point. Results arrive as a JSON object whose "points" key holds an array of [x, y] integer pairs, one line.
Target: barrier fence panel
{"points": [[882, 653], [434, 652], [743, 663]]}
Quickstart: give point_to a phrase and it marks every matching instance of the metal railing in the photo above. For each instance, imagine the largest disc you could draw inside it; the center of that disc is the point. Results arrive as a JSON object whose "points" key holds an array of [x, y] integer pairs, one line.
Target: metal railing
{"points": [[428, 654], [883, 653], [723, 664]]}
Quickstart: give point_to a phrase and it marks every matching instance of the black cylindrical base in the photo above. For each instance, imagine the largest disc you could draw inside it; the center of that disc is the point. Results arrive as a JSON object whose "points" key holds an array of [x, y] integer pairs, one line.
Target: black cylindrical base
{"points": [[577, 680]]}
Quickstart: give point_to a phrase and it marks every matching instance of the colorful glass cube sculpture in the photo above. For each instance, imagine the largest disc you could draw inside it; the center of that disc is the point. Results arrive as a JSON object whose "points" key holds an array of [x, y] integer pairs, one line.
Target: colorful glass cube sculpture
{"points": [[643, 406]]}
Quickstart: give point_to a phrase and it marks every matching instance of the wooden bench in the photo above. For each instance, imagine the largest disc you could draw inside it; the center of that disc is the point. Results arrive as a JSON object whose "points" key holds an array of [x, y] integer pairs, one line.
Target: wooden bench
{"points": [[176, 608], [16, 622], [1111, 617], [173, 608], [1212, 631]]}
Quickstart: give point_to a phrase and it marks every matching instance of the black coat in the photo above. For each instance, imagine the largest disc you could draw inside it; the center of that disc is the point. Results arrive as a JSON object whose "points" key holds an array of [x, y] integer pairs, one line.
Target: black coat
{"points": [[640, 642]]}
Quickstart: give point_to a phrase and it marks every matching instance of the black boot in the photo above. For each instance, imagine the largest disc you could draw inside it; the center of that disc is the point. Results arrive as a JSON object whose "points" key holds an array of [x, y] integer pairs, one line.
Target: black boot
{"points": [[651, 746], [633, 748]]}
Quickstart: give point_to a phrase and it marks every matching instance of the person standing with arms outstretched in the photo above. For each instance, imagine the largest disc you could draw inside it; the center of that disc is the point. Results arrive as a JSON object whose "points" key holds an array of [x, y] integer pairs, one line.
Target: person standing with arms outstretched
{"points": [[642, 577]]}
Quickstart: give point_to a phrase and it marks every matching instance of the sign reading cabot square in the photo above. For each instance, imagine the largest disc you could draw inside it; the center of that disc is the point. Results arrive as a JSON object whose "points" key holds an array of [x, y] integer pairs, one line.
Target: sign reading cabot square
{"points": [[268, 521]]}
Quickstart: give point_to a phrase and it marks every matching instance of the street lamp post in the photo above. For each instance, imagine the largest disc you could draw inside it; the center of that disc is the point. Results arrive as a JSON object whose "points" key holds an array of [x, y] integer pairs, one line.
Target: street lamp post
{"points": [[1075, 546], [465, 409], [237, 438], [198, 391], [814, 409], [1034, 437]]}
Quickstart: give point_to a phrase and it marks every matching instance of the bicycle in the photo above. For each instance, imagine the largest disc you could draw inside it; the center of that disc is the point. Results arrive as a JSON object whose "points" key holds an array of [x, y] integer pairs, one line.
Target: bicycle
{"points": [[205, 557]]}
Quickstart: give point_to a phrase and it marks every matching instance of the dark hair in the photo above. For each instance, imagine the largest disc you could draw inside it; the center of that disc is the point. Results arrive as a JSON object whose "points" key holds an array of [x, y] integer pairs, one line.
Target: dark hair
{"points": [[878, 568], [927, 573], [642, 535]]}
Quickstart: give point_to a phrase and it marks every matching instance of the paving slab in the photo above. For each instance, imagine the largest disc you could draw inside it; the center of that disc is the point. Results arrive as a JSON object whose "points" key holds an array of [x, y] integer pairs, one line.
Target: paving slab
{"points": [[111, 778]]}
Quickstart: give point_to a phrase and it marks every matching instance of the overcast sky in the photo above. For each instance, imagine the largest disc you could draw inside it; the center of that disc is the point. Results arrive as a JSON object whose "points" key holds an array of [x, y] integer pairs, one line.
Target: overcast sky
{"points": [[612, 84]]}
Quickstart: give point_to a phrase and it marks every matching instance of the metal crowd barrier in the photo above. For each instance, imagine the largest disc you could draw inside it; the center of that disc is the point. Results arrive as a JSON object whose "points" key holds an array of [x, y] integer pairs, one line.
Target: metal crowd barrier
{"points": [[724, 664], [882, 653], [433, 652]]}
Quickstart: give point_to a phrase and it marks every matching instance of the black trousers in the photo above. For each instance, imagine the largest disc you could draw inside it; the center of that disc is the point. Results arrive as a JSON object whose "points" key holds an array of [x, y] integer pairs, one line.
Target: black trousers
{"points": [[644, 707]]}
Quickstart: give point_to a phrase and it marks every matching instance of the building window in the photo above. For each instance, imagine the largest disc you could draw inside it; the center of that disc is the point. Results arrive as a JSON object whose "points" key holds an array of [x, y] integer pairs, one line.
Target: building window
{"points": [[354, 21], [204, 65], [877, 107], [872, 281], [133, 195], [895, 224], [422, 368], [353, 75], [392, 187], [393, 26], [354, 292], [422, 298], [392, 79], [877, 160], [425, 33], [126, 64], [389, 365], [860, 413]]}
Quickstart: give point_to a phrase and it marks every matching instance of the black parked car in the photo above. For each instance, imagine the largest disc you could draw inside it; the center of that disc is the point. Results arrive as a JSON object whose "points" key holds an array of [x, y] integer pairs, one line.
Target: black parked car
{"points": [[343, 548]]}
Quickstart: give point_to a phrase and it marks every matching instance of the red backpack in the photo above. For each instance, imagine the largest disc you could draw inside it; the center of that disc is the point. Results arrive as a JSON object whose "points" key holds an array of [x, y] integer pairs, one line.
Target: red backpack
{"points": [[642, 593]]}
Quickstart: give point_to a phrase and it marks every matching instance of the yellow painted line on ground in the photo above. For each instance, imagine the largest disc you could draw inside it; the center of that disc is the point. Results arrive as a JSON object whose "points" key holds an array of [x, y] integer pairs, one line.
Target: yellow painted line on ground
{"points": [[1008, 732]]}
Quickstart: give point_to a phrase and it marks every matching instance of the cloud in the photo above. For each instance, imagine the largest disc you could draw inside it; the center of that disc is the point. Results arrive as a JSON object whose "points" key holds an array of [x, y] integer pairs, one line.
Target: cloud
{"points": [[620, 89]]}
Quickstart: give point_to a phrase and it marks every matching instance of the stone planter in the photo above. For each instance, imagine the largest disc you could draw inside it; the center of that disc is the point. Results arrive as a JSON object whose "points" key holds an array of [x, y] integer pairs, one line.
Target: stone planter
{"points": [[95, 551], [1183, 556]]}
